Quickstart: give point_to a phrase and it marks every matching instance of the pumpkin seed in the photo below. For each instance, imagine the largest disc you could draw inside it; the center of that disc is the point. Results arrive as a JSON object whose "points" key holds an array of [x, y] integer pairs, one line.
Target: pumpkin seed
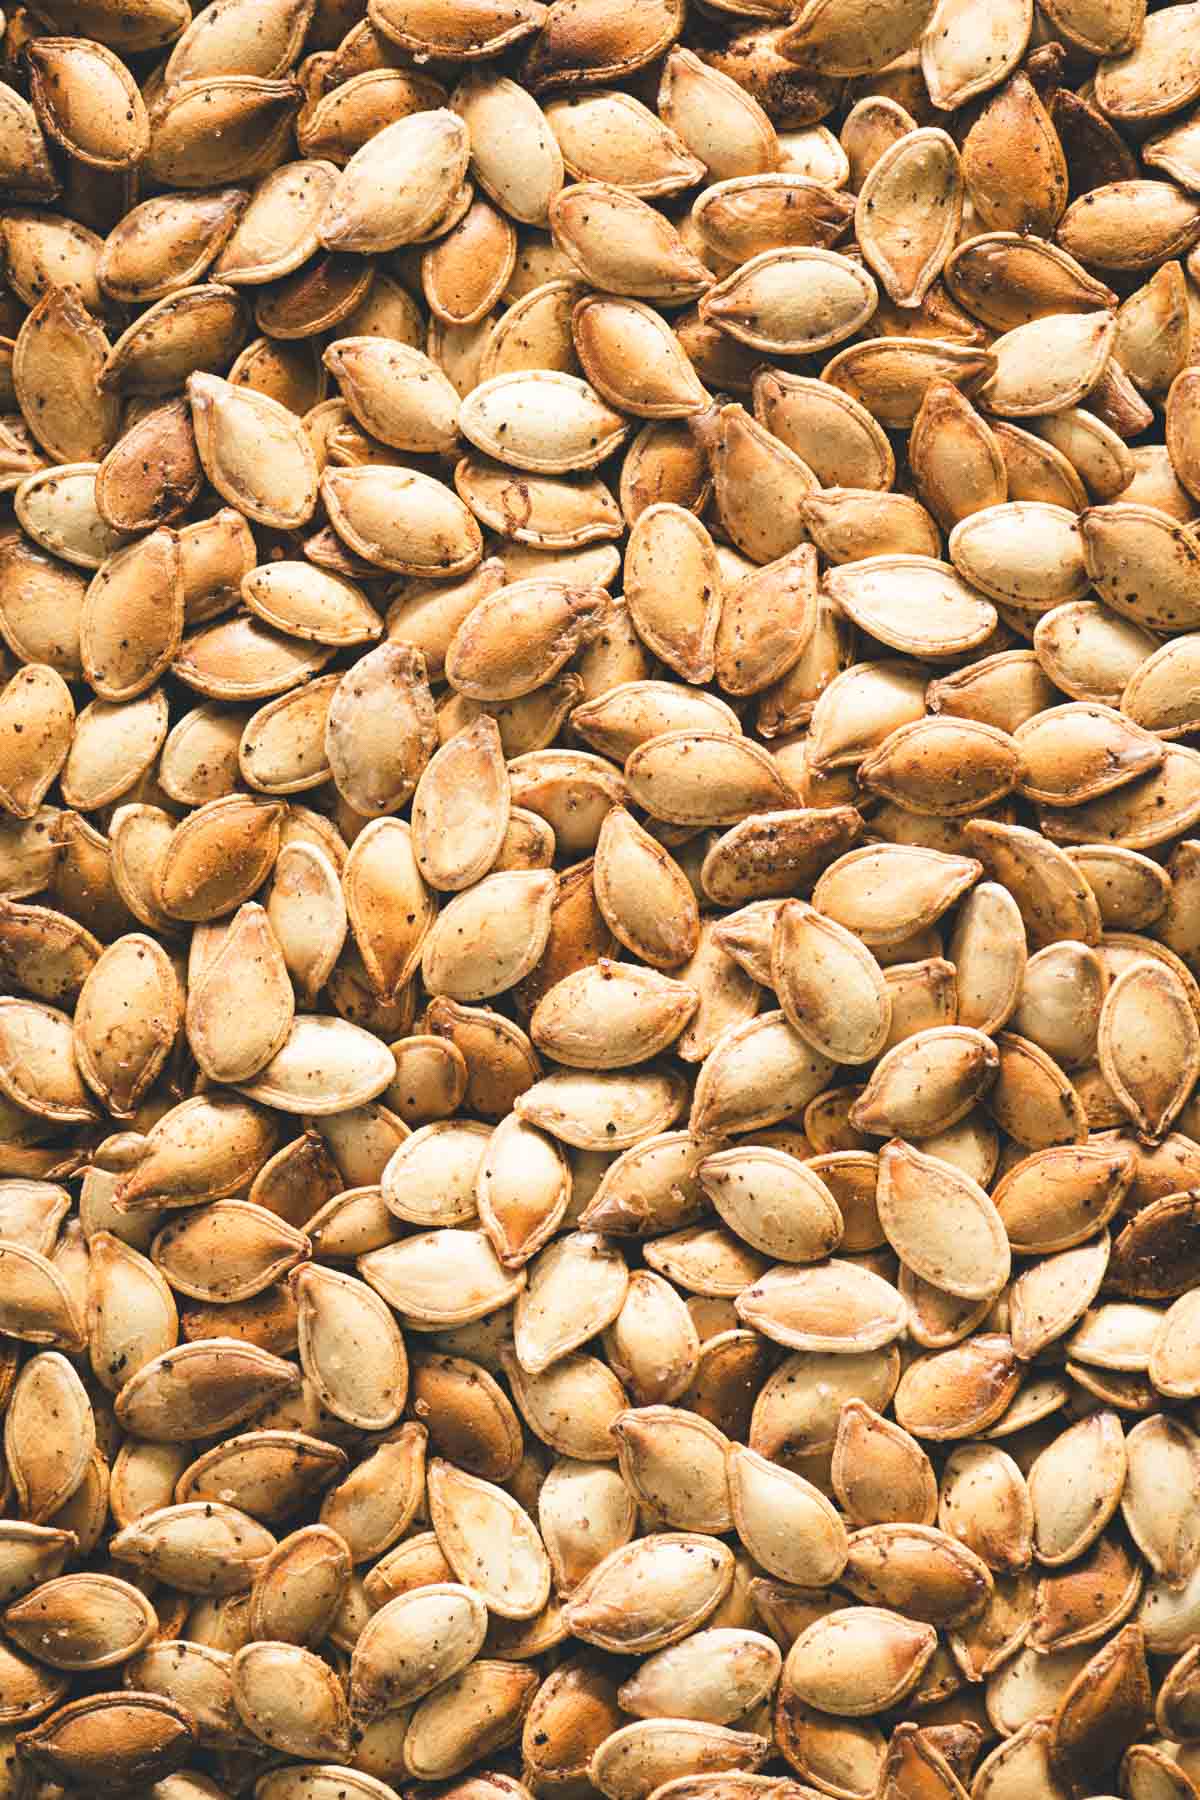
{"points": [[856, 1660]]}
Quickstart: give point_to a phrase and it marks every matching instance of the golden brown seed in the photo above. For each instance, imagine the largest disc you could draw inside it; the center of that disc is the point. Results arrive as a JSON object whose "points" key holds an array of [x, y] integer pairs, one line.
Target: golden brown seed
{"points": [[909, 211], [484, 1531], [651, 1593], [856, 1660], [209, 1386], [933, 797], [792, 302], [436, 1630], [82, 1621], [246, 984], [58, 358], [113, 1736], [830, 988], [47, 1466]]}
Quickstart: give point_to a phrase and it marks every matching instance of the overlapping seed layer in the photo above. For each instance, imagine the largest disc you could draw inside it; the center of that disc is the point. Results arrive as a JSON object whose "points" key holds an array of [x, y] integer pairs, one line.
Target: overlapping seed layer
{"points": [[599, 1022]]}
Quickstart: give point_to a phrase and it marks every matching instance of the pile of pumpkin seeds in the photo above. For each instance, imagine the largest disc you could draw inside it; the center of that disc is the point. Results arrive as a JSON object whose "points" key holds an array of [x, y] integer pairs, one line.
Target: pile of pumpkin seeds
{"points": [[599, 1024]]}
